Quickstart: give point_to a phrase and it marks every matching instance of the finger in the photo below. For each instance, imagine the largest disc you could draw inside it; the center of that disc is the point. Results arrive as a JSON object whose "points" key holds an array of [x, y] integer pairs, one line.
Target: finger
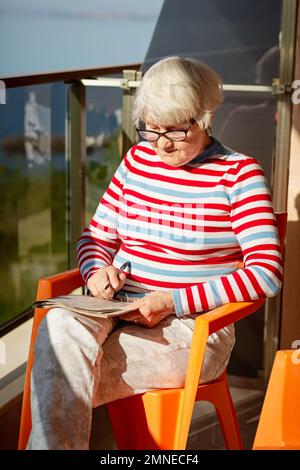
{"points": [[113, 279], [108, 293], [122, 278], [131, 316], [105, 293], [94, 291], [116, 280], [146, 306]]}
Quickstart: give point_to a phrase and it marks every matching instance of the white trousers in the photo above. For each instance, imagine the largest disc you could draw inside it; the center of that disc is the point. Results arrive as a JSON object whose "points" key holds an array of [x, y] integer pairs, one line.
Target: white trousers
{"points": [[82, 362]]}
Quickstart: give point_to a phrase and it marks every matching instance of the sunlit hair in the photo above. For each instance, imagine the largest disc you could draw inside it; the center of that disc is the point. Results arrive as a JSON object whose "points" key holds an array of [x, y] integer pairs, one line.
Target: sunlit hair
{"points": [[176, 90]]}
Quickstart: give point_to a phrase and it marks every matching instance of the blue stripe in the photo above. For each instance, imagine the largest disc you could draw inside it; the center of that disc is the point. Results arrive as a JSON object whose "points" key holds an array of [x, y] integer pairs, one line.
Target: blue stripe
{"points": [[81, 241], [214, 289], [248, 187], [95, 247], [274, 288], [258, 236], [92, 264], [106, 216], [133, 229], [177, 302], [122, 173], [160, 190], [176, 272]]}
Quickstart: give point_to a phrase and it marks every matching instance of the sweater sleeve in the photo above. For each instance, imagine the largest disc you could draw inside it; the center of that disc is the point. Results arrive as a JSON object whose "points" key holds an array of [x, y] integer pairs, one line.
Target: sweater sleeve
{"points": [[254, 225], [99, 241]]}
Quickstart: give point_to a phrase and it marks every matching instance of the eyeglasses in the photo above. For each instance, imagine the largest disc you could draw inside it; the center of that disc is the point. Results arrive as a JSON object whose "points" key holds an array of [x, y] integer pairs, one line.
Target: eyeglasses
{"points": [[175, 135]]}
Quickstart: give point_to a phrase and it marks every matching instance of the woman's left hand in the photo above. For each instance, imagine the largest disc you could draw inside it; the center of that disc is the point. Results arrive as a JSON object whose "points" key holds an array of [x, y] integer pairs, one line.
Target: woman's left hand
{"points": [[152, 309]]}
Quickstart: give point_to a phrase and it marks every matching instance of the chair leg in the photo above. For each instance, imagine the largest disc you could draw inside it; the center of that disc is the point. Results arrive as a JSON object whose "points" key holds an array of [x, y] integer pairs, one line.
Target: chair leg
{"points": [[218, 393], [25, 423], [129, 424], [146, 421], [228, 419]]}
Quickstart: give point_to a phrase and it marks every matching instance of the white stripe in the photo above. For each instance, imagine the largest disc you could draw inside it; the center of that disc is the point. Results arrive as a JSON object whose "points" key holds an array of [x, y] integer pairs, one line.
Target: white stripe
{"points": [[235, 289], [197, 300], [209, 296], [184, 301]]}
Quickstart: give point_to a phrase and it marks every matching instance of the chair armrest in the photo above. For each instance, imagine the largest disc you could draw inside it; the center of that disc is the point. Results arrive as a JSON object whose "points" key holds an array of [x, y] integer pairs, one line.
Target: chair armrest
{"points": [[227, 314], [59, 284]]}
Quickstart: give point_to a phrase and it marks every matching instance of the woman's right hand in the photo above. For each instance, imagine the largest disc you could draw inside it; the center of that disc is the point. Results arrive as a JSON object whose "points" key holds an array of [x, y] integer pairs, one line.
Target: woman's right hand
{"points": [[101, 278]]}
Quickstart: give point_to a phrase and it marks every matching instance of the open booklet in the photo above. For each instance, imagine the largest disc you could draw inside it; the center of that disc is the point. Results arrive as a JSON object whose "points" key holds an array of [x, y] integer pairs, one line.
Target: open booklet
{"points": [[87, 305]]}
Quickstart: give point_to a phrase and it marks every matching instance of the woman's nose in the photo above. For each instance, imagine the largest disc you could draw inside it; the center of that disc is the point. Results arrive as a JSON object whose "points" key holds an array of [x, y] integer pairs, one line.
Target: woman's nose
{"points": [[164, 143]]}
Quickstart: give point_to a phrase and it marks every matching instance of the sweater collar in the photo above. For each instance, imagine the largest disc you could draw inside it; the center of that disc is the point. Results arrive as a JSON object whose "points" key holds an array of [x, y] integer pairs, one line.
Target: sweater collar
{"points": [[212, 149]]}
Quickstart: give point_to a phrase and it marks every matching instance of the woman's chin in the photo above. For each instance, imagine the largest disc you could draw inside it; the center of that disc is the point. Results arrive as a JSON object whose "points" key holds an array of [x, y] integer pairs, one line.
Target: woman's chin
{"points": [[170, 158], [172, 161]]}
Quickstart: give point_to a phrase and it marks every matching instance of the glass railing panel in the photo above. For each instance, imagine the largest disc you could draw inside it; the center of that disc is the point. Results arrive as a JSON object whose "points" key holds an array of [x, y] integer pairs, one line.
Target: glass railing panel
{"points": [[240, 40], [33, 193], [247, 124], [103, 139]]}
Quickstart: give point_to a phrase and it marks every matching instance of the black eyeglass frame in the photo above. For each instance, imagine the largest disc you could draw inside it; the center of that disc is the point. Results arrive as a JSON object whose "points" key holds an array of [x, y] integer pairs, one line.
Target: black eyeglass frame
{"points": [[159, 134]]}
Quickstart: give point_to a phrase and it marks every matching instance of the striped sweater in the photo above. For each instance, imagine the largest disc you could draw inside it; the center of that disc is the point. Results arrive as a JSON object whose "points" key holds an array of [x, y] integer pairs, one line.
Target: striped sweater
{"points": [[185, 229]]}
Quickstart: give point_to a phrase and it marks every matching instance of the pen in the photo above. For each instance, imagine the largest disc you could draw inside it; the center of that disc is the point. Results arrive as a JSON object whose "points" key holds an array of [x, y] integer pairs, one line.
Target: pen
{"points": [[124, 266]]}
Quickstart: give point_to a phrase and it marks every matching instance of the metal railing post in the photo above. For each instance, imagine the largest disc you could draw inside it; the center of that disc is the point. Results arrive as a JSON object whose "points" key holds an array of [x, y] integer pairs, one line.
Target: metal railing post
{"points": [[76, 154], [281, 164], [128, 128]]}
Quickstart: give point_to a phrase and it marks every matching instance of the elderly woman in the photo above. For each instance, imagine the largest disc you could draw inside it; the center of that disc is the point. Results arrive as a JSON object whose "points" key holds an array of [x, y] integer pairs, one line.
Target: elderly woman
{"points": [[183, 210]]}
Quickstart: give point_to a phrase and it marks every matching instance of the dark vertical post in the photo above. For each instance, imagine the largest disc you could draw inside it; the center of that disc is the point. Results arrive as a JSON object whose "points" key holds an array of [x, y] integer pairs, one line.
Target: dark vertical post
{"points": [[76, 152]]}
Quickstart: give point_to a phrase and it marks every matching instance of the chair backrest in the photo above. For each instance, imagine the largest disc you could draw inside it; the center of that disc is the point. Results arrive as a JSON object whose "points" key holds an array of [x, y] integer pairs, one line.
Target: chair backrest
{"points": [[281, 218], [279, 423]]}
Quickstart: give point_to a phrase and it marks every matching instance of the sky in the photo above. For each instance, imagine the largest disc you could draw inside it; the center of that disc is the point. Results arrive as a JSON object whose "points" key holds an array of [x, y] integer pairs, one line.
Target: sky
{"points": [[39, 36]]}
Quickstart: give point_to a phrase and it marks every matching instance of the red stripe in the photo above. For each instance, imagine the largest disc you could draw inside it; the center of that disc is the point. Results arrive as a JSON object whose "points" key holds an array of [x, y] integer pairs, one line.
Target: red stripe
{"points": [[117, 182], [152, 176], [255, 223], [228, 289], [164, 202], [164, 260], [208, 251], [82, 260], [109, 244], [94, 254], [247, 200], [142, 148], [187, 168], [249, 174], [203, 298], [241, 285], [190, 299], [181, 225], [153, 282], [271, 268], [179, 206], [88, 274], [259, 256], [104, 228], [114, 196], [254, 211], [264, 247], [254, 283], [176, 210]]}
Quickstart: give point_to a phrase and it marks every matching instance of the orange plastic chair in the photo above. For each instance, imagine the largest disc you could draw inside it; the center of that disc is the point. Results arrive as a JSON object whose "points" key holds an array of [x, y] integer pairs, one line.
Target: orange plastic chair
{"points": [[279, 423], [158, 419]]}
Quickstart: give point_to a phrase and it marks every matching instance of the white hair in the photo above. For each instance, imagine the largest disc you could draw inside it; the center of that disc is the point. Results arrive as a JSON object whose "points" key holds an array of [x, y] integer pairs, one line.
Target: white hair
{"points": [[175, 90]]}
